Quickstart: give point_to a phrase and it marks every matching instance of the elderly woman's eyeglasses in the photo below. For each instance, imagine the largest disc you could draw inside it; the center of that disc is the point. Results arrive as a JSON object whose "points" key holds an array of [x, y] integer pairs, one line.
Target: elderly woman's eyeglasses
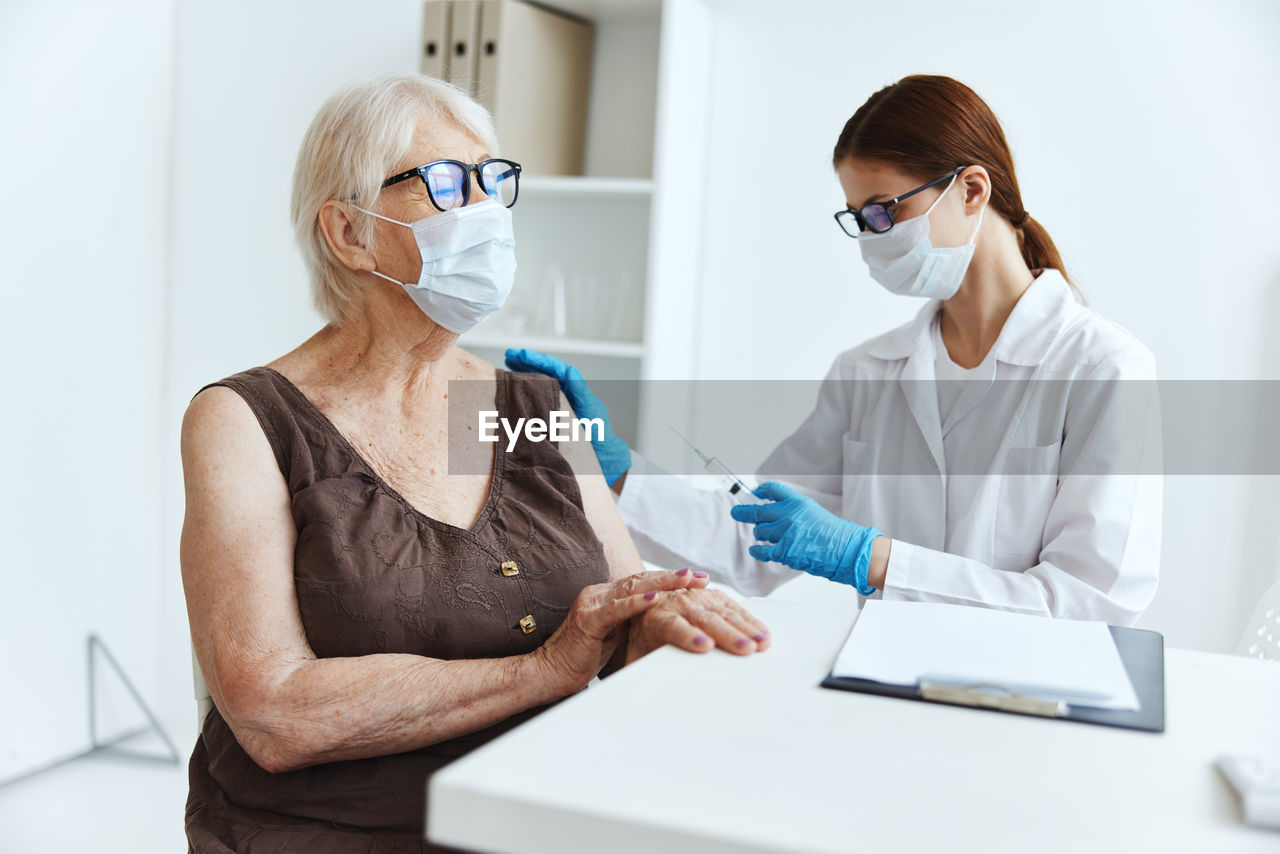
{"points": [[876, 217], [448, 182]]}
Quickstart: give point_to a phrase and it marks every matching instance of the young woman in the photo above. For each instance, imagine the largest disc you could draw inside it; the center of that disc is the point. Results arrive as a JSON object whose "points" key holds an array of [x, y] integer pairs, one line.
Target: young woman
{"points": [[997, 451]]}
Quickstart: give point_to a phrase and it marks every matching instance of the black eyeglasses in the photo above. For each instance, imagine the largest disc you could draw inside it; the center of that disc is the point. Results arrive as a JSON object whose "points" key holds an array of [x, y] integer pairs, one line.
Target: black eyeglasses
{"points": [[876, 216], [448, 182]]}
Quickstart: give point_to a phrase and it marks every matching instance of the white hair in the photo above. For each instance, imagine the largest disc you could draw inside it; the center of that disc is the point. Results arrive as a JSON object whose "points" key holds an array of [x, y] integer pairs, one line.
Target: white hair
{"points": [[360, 134]]}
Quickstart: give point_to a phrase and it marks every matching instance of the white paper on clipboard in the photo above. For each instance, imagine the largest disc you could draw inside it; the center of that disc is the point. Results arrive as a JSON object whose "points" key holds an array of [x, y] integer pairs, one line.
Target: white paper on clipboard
{"points": [[904, 643]]}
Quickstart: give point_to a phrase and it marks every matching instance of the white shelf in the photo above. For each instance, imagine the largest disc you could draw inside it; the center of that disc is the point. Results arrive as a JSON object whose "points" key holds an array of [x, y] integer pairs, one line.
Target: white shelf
{"points": [[566, 187], [609, 10], [554, 344]]}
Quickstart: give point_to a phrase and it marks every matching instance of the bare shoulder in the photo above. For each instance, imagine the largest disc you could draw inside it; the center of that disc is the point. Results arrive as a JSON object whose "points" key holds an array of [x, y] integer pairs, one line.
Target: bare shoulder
{"points": [[216, 403], [473, 367], [223, 445], [218, 416], [237, 502]]}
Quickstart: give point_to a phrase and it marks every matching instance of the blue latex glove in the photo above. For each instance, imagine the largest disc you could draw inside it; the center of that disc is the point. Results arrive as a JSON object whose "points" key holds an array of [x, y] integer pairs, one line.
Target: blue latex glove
{"points": [[612, 452], [808, 537]]}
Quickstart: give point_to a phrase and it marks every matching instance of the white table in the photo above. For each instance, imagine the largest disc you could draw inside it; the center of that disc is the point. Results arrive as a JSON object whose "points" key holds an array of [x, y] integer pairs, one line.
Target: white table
{"points": [[685, 753]]}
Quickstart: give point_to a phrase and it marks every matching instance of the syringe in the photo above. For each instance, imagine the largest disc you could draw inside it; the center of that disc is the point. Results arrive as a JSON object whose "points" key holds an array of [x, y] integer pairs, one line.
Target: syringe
{"points": [[726, 479]]}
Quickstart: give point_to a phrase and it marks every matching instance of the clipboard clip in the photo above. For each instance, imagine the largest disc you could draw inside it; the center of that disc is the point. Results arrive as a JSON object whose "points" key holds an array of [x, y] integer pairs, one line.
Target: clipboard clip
{"points": [[979, 695]]}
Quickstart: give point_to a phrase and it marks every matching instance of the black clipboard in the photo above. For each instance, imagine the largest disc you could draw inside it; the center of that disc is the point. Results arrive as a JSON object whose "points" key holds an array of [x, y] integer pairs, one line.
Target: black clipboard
{"points": [[1141, 651]]}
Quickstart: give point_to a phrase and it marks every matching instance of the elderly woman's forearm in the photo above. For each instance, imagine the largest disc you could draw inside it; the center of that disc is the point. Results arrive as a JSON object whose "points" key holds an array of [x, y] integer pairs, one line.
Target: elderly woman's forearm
{"points": [[332, 709]]}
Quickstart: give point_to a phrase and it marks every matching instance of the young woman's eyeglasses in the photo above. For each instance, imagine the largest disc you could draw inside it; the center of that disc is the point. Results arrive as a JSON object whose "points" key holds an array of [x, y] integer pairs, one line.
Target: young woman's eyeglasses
{"points": [[877, 217], [448, 182]]}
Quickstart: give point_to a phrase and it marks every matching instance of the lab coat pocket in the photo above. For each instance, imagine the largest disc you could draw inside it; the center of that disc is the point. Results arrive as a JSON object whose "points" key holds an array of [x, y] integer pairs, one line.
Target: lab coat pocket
{"points": [[1028, 485], [858, 480]]}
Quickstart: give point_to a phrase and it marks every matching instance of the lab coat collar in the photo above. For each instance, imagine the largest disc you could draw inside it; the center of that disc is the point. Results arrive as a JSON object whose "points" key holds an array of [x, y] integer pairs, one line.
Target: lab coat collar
{"points": [[1025, 339]]}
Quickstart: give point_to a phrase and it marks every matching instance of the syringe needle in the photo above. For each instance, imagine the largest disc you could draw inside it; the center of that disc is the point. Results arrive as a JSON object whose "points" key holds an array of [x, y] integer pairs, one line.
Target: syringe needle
{"points": [[705, 459]]}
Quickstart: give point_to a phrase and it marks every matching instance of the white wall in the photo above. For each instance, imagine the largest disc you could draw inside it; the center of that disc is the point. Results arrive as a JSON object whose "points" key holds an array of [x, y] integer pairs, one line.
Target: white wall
{"points": [[85, 95], [1129, 122]]}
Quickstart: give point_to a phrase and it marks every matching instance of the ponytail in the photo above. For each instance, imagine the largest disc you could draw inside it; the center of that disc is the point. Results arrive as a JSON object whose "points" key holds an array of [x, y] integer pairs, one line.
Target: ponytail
{"points": [[1038, 250]]}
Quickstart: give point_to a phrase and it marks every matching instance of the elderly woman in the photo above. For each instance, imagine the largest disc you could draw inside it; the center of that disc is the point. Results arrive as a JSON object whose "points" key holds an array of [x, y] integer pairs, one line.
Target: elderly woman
{"points": [[362, 616]]}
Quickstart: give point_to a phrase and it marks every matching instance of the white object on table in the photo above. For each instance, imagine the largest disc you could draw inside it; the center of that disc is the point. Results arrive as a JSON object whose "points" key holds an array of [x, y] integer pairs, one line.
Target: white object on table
{"points": [[715, 753], [907, 643], [1258, 784]]}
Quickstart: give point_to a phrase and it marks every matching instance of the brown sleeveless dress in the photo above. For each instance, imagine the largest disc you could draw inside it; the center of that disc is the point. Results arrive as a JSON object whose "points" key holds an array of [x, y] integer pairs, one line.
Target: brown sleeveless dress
{"points": [[374, 575]]}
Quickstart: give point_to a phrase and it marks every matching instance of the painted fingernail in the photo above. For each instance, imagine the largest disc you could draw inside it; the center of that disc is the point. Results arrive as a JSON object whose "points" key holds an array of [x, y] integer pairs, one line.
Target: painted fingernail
{"points": [[699, 575], [701, 640], [760, 637], [651, 594], [741, 642], [684, 571]]}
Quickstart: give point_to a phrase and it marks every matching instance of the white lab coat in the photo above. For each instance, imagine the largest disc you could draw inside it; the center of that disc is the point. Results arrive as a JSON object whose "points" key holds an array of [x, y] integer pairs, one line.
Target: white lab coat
{"points": [[1040, 495]]}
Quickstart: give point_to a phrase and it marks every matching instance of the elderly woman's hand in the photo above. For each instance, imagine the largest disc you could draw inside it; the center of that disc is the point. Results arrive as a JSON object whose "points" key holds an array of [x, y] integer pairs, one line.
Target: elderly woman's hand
{"points": [[696, 620], [588, 637]]}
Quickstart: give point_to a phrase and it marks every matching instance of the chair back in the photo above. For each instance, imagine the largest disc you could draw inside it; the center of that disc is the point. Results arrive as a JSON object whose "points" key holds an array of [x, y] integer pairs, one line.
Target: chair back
{"points": [[1261, 638], [204, 702]]}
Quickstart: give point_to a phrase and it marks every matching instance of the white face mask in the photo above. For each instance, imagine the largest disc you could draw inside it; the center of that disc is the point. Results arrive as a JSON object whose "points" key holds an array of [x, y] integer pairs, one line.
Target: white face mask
{"points": [[904, 261], [468, 263]]}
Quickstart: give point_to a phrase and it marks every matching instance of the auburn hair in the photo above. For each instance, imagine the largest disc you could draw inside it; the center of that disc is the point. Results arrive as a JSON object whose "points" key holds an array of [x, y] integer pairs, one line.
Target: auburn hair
{"points": [[926, 126]]}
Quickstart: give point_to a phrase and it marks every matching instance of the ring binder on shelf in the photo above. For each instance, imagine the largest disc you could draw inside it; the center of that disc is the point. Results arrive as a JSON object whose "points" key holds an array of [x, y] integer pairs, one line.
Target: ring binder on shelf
{"points": [[435, 40], [464, 39], [528, 65]]}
